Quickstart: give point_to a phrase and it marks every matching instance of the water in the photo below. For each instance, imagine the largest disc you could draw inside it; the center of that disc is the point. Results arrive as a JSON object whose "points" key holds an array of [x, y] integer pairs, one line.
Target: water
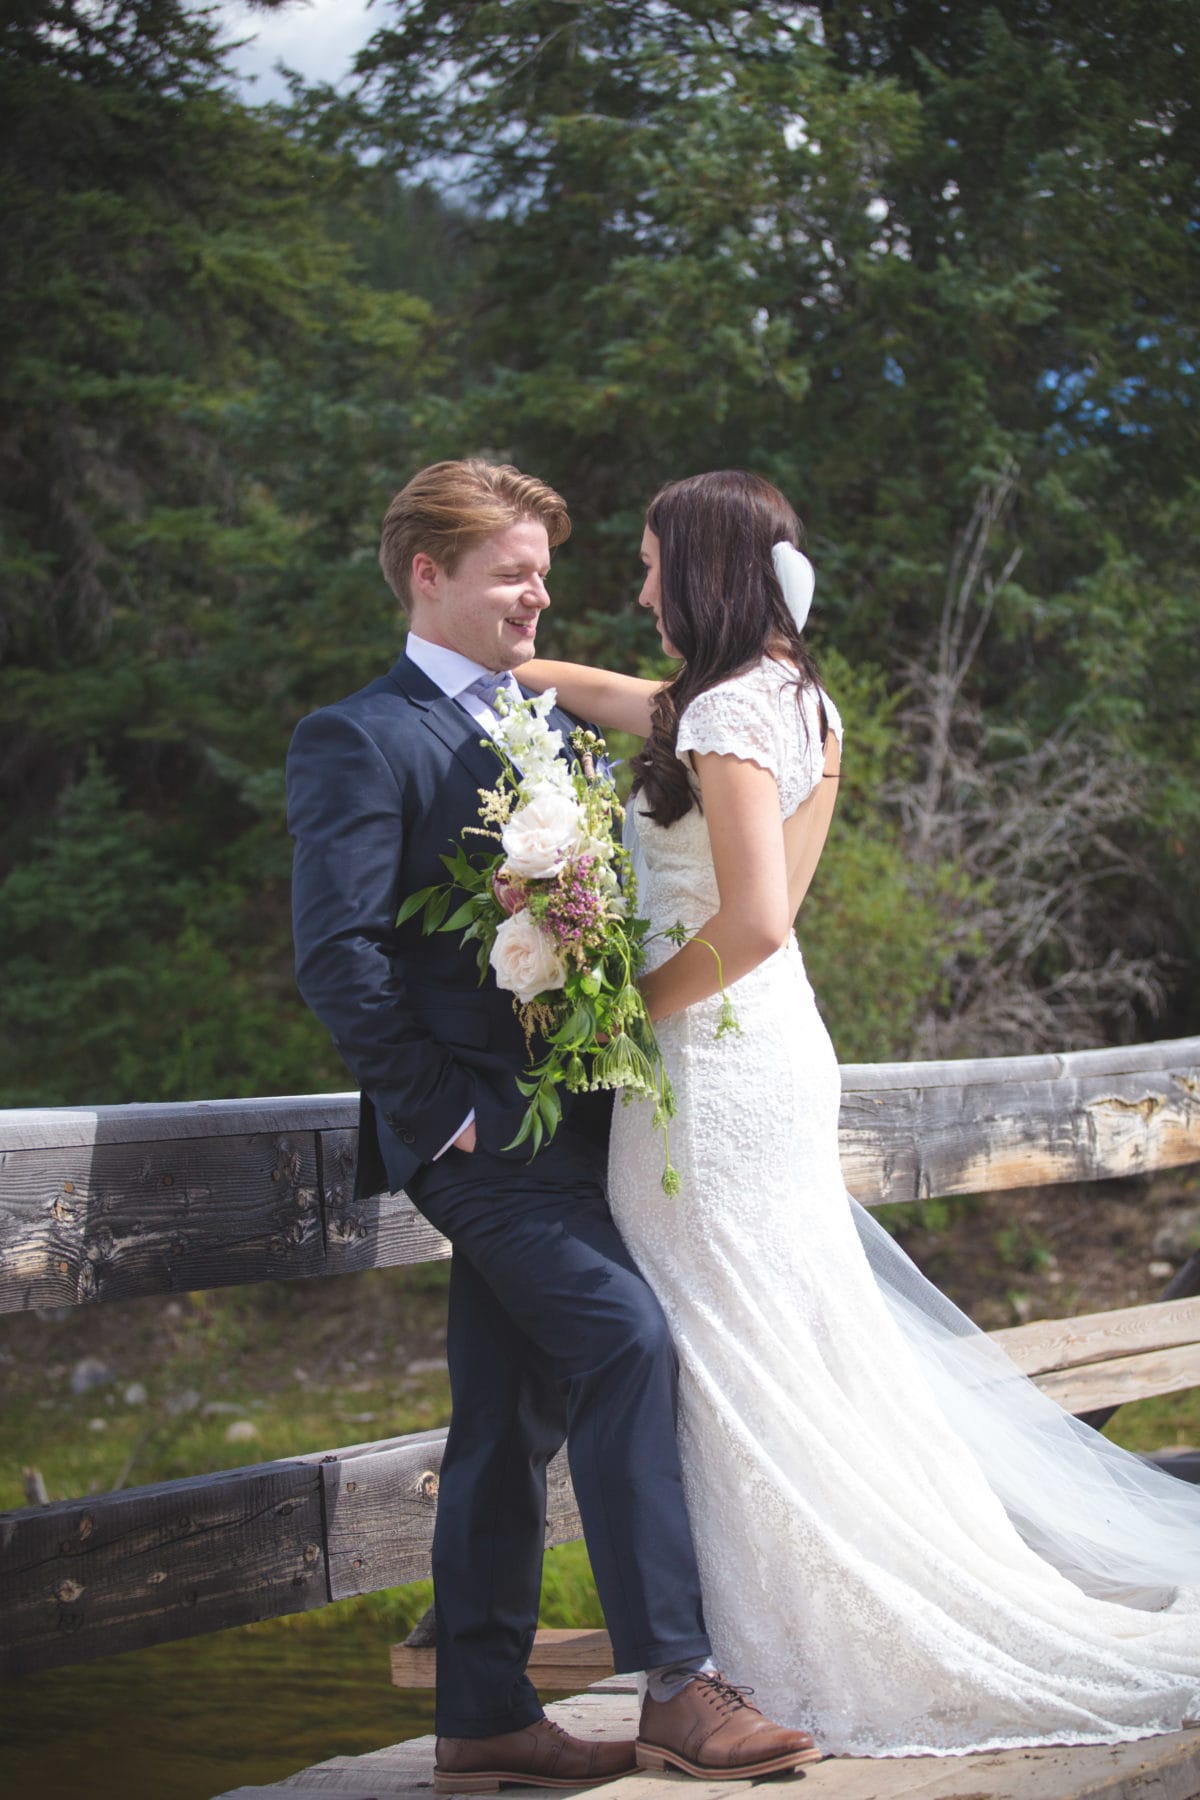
{"points": [[188, 1721]]}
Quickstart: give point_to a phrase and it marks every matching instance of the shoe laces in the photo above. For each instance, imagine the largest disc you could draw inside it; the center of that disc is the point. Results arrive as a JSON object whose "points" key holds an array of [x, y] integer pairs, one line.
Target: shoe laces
{"points": [[728, 1696]]}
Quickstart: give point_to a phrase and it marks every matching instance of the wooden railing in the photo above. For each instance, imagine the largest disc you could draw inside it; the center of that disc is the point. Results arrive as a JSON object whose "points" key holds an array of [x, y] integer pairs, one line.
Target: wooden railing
{"points": [[109, 1203]]}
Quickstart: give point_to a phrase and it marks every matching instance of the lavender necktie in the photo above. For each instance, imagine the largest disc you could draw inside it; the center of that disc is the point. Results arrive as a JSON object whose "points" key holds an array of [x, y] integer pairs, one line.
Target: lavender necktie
{"points": [[488, 687]]}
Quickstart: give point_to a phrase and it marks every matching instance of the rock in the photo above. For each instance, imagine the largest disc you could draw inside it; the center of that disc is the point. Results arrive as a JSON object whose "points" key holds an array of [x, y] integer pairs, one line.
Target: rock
{"points": [[89, 1373], [1179, 1236], [35, 1487], [1161, 1271], [211, 1408], [97, 1424], [135, 1394], [427, 1365], [185, 1401], [172, 1310], [241, 1431]]}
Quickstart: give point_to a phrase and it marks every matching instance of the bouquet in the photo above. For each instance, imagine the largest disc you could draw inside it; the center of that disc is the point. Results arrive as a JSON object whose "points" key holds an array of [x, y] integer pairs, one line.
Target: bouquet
{"points": [[552, 910]]}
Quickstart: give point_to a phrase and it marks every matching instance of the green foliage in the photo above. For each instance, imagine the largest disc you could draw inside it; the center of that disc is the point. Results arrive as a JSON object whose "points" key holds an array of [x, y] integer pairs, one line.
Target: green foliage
{"points": [[877, 253], [125, 978], [879, 262], [1019, 1246], [207, 407]]}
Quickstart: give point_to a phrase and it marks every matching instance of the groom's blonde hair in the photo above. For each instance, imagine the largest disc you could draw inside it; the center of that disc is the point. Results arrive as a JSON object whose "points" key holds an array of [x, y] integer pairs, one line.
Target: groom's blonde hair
{"points": [[450, 506]]}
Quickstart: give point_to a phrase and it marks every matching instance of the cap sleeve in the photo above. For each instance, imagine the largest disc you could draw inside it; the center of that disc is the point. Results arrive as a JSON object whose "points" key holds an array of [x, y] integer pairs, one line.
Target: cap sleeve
{"points": [[733, 719]]}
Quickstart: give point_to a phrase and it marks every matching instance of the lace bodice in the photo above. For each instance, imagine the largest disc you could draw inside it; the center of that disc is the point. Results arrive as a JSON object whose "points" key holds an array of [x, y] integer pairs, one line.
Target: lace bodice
{"points": [[759, 717], [763, 717]]}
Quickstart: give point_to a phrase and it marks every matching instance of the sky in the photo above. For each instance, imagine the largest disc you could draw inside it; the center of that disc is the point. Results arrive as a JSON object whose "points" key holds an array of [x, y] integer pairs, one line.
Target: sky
{"points": [[317, 37]]}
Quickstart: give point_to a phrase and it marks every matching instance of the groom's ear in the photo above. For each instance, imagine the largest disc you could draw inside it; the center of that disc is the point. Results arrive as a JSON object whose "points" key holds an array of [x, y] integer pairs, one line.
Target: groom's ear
{"points": [[424, 577]]}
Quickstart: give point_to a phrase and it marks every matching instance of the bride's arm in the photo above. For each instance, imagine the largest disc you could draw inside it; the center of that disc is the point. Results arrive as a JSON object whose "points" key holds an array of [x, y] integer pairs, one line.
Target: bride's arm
{"points": [[614, 702], [741, 807]]}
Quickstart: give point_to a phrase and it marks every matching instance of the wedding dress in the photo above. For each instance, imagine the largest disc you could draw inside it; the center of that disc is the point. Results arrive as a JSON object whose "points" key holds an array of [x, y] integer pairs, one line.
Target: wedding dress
{"points": [[905, 1547]]}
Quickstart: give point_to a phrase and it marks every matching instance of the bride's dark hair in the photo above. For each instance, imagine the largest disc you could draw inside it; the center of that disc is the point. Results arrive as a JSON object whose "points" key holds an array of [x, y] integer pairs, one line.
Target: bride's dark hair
{"points": [[722, 607]]}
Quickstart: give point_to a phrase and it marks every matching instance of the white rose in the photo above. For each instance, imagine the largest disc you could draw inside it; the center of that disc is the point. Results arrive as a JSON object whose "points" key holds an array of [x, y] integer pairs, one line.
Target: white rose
{"points": [[542, 834], [525, 959]]}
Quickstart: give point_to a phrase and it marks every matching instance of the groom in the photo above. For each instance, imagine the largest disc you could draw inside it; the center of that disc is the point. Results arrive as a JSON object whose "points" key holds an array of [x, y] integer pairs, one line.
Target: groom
{"points": [[552, 1332]]}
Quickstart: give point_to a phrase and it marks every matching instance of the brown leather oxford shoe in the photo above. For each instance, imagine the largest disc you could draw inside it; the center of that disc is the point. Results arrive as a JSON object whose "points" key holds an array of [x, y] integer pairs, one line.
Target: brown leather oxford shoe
{"points": [[711, 1729], [539, 1755]]}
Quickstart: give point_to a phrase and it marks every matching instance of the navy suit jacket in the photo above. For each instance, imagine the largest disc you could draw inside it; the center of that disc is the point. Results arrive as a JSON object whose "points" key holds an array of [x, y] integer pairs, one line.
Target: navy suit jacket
{"points": [[379, 786]]}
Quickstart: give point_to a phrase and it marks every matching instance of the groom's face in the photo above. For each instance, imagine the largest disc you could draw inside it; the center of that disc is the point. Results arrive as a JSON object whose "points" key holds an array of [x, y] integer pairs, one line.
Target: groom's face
{"points": [[489, 607]]}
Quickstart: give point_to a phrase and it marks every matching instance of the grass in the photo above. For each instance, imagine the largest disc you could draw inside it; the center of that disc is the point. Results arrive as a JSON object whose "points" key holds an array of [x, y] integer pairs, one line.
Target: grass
{"points": [[216, 1380], [1167, 1422]]}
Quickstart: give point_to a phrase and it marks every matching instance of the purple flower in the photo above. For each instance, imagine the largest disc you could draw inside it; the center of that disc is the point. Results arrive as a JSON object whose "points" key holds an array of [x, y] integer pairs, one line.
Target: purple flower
{"points": [[575, 907]]}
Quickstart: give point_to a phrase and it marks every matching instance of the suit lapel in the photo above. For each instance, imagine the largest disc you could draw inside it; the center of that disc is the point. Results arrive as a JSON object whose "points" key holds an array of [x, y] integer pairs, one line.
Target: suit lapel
{"points": [[449, 722], [453, 725]]}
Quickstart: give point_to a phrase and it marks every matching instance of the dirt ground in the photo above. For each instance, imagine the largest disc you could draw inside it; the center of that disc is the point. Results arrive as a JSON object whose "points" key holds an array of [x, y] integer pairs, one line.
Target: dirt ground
{"points": [[1051, 1252]]}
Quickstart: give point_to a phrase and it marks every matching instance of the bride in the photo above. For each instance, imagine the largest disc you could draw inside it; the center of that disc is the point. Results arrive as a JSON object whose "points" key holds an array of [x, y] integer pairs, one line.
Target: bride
{"points": [[903, 1544]]}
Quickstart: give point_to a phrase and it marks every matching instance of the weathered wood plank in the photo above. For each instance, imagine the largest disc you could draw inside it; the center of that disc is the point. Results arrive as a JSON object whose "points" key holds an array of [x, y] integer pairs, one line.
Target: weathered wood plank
{"points": [[1125, 1378], [385, 1231], [1051, 1065], [989, 1132], [93, 1204], [380, 1507], [1161, 1768], [405, 1768], [88, 1578], [61, 1127], [118, 1220], [115, 1572], [379, 1512], [562, 1659], [1099, 1337]]}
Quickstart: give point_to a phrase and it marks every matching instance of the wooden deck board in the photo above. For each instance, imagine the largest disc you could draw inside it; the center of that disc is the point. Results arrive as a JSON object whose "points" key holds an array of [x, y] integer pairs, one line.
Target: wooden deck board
{"points": [[563, 1660], [1158, 1768]]}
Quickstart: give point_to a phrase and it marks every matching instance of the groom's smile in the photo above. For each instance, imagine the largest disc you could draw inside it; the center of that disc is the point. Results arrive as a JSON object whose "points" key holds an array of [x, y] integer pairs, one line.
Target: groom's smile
{"points": [[487, 606]]}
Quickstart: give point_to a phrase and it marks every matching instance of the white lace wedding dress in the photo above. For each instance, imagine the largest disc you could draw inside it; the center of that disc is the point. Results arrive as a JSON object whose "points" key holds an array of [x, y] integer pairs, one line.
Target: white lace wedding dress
{"points": [[904, 1546]]}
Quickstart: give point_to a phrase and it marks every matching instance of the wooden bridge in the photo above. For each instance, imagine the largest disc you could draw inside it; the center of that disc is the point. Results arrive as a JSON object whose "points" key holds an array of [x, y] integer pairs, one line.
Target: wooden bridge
{"points": [[114, 1202]]}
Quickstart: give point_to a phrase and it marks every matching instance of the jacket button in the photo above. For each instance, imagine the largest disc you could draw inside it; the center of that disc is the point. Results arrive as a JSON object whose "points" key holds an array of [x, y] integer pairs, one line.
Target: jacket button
{"points": [[407, 1137]]}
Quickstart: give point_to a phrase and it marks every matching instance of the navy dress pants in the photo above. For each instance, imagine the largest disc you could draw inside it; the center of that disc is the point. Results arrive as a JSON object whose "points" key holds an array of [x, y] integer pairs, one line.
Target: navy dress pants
{"points": [[552, 1333]]}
